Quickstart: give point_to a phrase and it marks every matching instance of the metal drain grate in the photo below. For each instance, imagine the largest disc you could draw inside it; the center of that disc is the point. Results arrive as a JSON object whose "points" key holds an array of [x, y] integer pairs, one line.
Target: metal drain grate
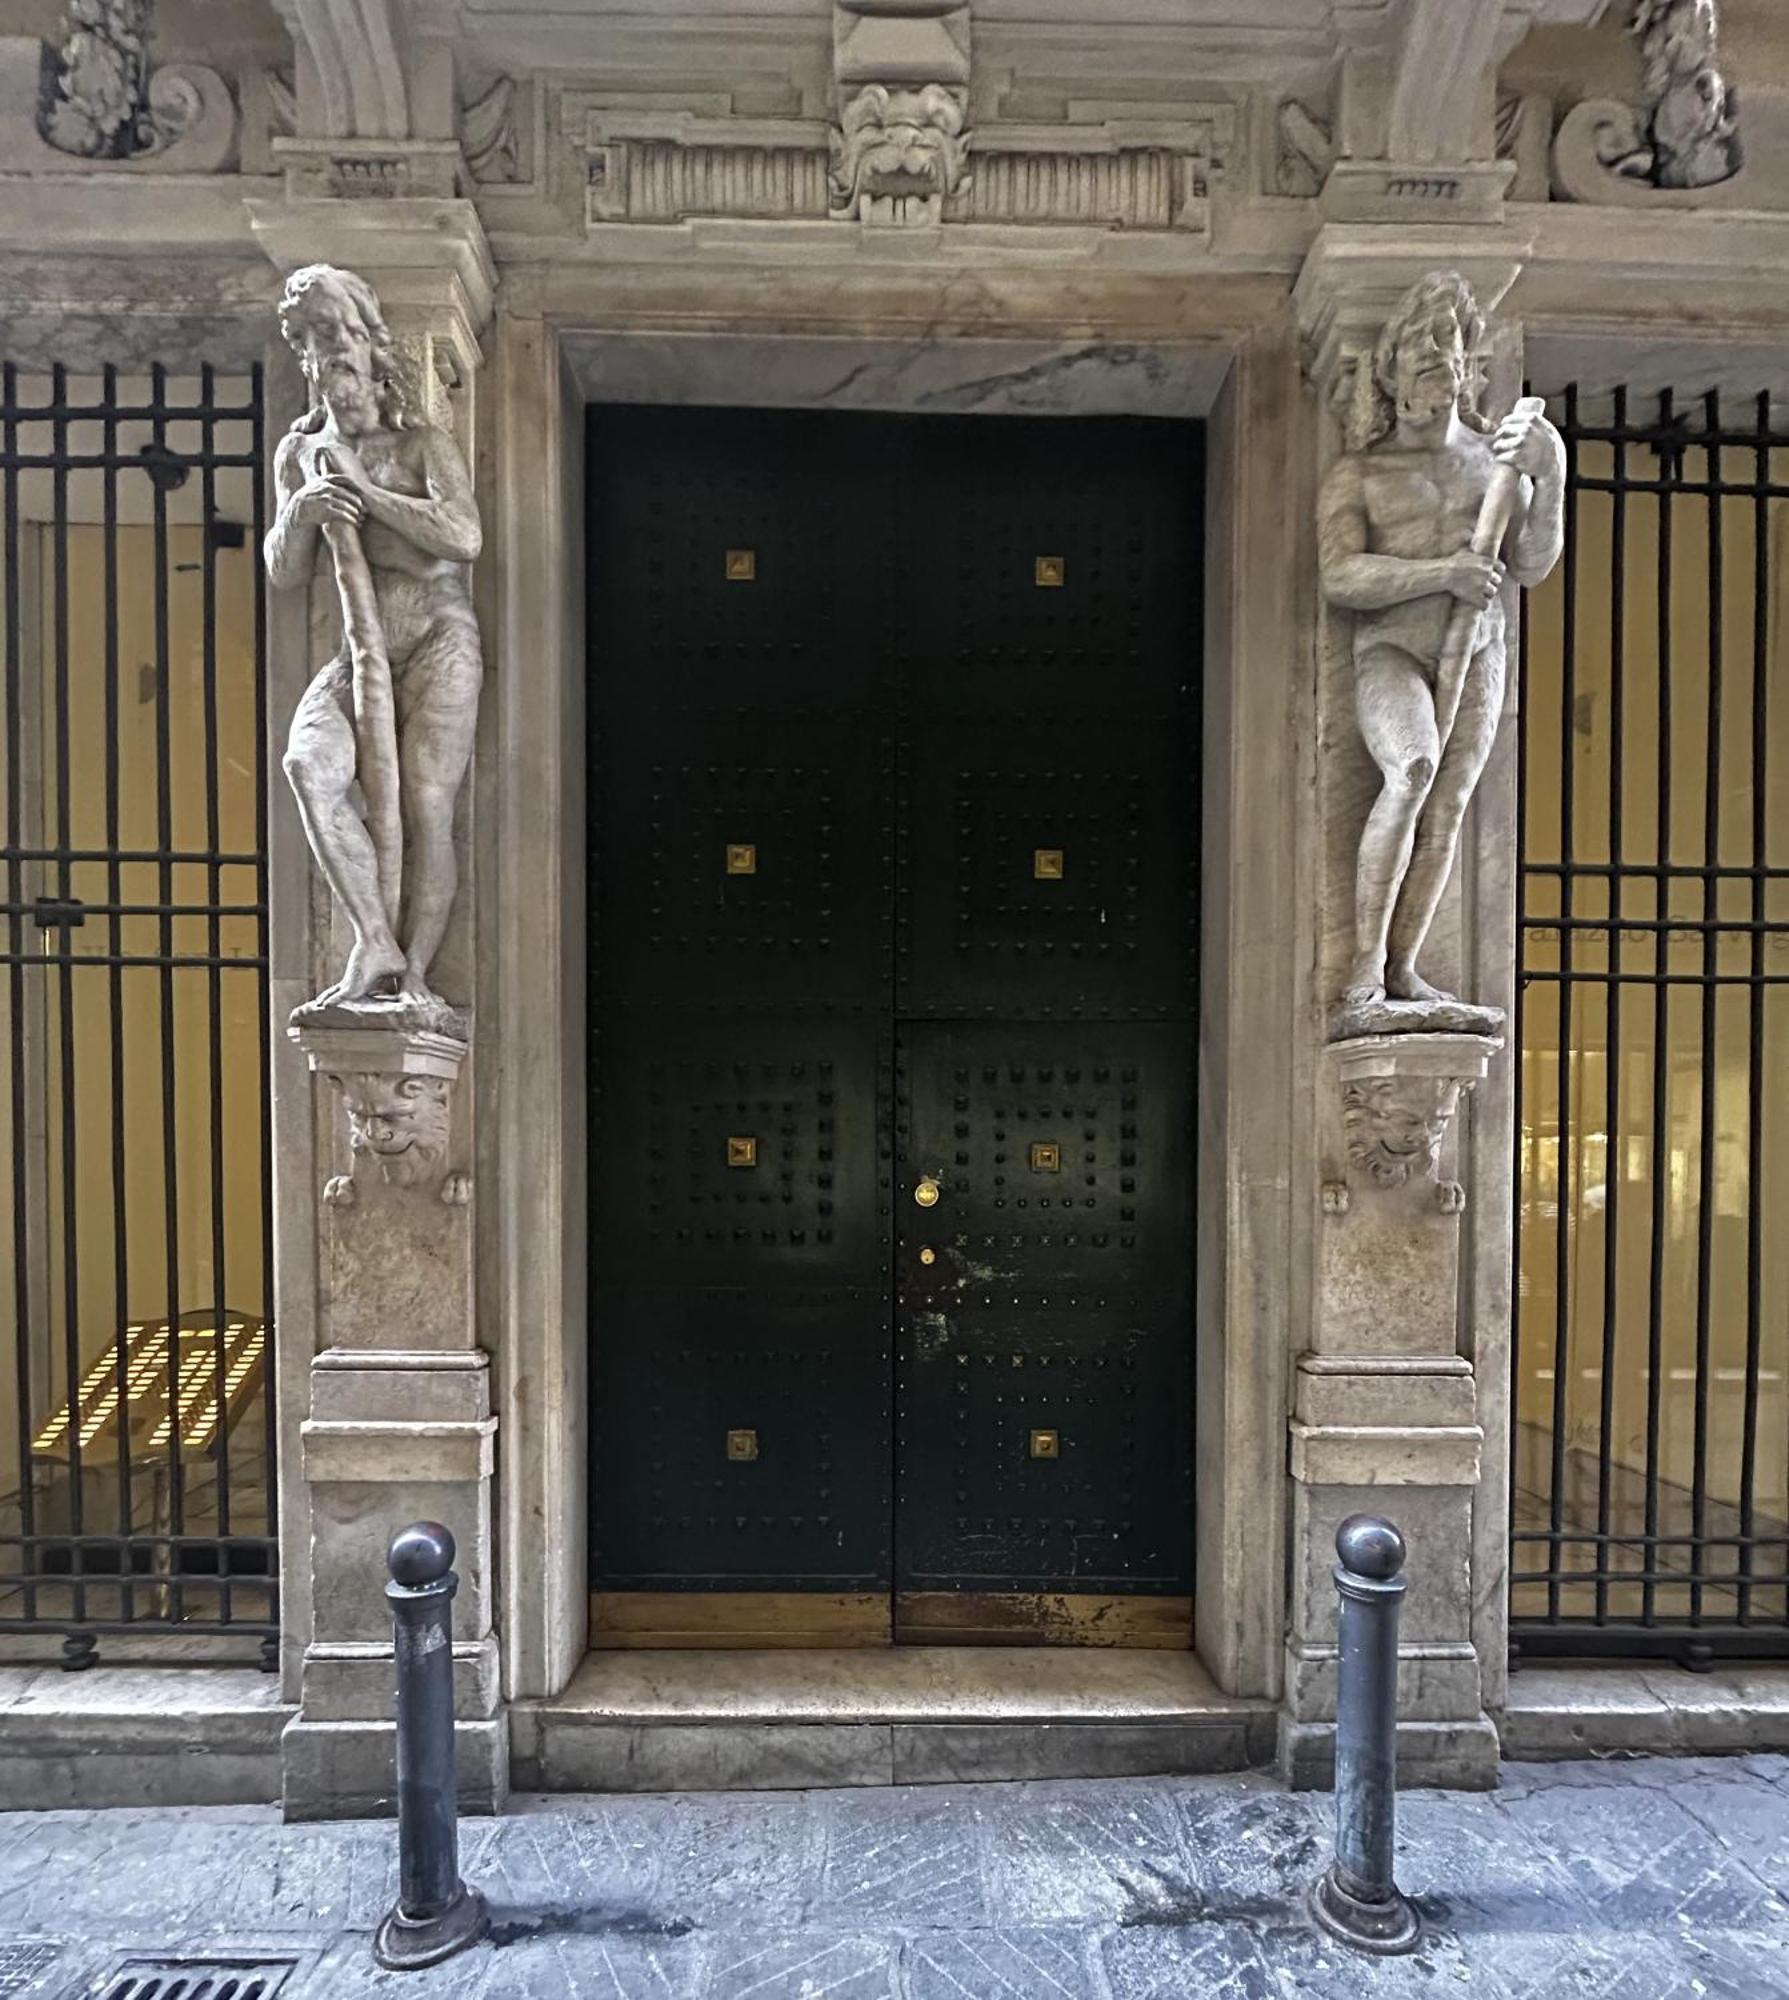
{"points": [[21, 1963], [196, 1979]]}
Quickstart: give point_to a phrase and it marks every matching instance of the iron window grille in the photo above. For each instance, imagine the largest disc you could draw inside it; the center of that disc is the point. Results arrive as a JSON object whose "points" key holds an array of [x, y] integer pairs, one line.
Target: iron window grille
{"points": [[136, 1487], [1651, 1342]]}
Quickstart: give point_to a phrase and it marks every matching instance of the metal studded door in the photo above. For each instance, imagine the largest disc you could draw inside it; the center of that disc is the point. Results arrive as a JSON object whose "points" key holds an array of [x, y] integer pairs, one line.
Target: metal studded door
{"points": [[892, 993], [1045, 990], [740, 1036]]}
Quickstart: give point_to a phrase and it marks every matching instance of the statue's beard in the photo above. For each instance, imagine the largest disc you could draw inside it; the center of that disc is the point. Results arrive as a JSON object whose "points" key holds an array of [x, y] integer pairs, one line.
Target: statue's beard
{"points": [[1431, 395], [347, 387]]}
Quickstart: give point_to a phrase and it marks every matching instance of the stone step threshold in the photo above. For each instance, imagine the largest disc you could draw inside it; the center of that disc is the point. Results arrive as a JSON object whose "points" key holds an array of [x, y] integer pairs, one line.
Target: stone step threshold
{"points": [[143, 1732], [679, 1721]]}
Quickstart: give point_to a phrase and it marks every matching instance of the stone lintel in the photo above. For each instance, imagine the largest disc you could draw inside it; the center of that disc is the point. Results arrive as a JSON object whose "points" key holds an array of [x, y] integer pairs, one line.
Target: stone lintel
{"points": [[392, 1453], [1386, 1455]]}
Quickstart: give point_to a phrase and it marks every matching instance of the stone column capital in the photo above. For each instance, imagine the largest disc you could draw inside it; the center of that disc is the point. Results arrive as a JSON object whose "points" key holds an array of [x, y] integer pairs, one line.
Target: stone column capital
{"points": [[427, 258], [1355, 273]]}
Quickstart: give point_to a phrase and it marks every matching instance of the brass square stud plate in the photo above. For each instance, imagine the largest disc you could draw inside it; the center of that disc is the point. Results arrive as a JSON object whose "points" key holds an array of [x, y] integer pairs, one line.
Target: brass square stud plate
{"points": [[1047, 863], [742, 1152], [1046, 1157], [742, 1446], [1046, 1444], [742, 565], [742, 858], [1051, 572]]}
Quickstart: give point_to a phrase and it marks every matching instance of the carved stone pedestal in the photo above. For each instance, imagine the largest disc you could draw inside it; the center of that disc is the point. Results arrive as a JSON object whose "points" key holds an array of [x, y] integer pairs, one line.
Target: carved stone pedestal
{"points": [[1384, 1414], [400, 1426]]}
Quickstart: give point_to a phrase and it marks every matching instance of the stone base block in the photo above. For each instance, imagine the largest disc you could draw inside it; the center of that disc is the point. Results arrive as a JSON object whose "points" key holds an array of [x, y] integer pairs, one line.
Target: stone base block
{"points": [[356, 1681], [1455, 1756], [1436, 1683], [347, 1770]]}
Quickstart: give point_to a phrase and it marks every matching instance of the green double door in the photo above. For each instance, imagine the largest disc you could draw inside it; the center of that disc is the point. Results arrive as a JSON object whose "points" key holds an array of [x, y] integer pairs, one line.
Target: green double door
{"points": [[893, 876]]}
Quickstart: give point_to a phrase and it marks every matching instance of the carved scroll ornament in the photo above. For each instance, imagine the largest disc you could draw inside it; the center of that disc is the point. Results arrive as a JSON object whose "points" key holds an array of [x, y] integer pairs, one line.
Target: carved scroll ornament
{"points": [[1682, 136], [100, 99]]}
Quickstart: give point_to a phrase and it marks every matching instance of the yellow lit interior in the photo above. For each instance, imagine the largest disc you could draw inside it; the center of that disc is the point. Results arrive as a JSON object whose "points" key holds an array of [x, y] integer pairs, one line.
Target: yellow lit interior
{"points": [[136, 1193], [1609, 1189]]}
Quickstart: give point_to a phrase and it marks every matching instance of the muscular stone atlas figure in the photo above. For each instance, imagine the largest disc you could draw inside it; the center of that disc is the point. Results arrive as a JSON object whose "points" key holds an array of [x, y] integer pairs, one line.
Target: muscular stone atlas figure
{"points": [[1396, 523], [381, 738]]}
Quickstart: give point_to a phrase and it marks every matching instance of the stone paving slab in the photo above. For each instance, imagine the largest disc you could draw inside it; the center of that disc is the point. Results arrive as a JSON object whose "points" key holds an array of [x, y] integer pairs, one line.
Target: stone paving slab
{"points": [[1646, 1880]]}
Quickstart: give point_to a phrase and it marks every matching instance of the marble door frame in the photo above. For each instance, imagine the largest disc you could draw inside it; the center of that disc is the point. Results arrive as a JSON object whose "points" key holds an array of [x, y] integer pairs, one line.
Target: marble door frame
{"points": [[532, 1263]]}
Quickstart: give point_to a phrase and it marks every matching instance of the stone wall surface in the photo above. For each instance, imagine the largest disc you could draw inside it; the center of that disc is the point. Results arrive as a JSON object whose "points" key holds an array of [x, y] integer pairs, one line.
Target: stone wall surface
{"points": [[1135, 209]]}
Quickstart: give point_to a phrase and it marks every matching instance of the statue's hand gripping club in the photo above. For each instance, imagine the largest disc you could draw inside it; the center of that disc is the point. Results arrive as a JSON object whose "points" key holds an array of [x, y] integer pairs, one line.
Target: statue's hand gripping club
{"points": [[1495, 513], [375, 710]]}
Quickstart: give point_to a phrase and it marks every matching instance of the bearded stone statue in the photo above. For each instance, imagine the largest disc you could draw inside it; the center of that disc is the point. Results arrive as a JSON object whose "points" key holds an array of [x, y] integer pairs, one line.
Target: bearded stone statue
{"points": [[1422, 519], [382, 737]]}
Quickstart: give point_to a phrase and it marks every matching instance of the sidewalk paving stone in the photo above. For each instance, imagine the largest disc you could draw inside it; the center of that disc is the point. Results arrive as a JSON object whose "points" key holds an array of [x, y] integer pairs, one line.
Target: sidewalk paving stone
{"points": [[1623, 1880]]}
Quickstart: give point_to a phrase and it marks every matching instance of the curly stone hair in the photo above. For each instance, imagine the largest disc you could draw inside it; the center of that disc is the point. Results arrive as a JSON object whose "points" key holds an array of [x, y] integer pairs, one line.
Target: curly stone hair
{"points": [[1375, 412], [388, 381]]}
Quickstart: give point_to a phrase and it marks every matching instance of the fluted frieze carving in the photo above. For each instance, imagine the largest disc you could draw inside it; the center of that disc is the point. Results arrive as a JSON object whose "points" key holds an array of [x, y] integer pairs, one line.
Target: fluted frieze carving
{"points": [[666, 167]]}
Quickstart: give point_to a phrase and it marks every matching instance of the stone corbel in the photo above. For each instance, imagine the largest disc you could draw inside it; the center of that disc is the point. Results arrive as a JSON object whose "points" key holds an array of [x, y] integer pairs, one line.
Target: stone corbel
{"points": [[1399, 1094], [900, 139], [396, 1087]]}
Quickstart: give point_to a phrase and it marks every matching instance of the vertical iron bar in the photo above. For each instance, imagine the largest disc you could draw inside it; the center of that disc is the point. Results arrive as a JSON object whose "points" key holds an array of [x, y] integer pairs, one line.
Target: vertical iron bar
{"points": [[264, 977], [1748, 1459], [1711, 910], [164, 835], [1661, 1033], [65, 1025], [1612, 1009], [1523, 1177], [15, 925], [115, 1003], [214, 982], [1567, 1004]]}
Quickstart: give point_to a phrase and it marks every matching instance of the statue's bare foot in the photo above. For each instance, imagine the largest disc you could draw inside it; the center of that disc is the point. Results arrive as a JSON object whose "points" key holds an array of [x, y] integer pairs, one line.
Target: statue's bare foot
{"points": [[1366, 985], [368, 968], [1406, 983]]}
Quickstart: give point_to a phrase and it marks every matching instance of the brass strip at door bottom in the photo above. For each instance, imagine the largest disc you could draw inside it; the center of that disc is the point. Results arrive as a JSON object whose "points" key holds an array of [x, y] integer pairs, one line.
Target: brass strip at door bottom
{"points": [[1041, 1618], [732, 1620], [740, 1620]]}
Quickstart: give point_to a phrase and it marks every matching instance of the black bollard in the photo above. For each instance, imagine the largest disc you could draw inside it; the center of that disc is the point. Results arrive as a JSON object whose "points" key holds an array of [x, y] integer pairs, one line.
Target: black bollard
{"points": [[1358, 1901], [435, 1914]]}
